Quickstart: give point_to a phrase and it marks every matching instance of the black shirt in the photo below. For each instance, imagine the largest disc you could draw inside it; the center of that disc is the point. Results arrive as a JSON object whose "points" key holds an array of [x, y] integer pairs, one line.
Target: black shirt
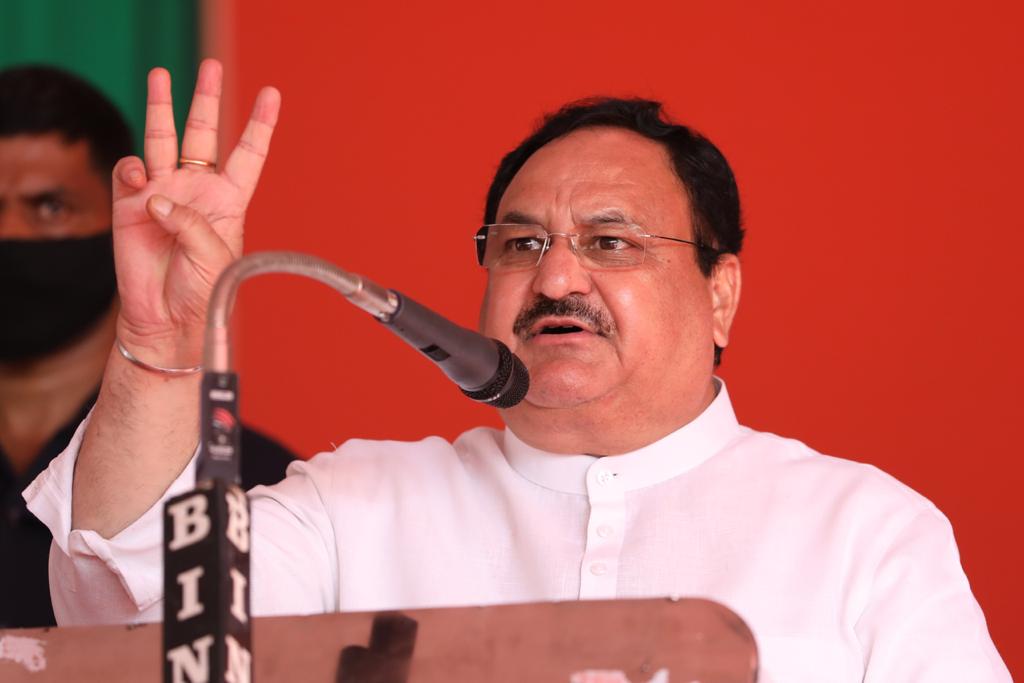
{"points": [[25, 541]]}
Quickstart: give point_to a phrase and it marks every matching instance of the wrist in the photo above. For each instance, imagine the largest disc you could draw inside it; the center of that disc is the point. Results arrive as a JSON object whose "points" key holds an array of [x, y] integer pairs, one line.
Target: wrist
{"points": [[160, 350], [157, 369]]}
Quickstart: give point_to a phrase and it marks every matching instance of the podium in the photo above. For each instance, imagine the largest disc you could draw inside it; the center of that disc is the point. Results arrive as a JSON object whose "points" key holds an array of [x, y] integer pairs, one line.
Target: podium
{"points": [[613, 641]]}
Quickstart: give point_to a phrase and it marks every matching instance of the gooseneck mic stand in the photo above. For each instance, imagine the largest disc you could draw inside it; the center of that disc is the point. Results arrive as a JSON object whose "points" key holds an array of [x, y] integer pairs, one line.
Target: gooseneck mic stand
{"points": [[207, 629]]}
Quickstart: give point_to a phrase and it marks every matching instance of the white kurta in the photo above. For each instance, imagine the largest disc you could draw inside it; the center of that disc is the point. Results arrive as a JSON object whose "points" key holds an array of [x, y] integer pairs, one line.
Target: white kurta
{"points": [[842, 573]]}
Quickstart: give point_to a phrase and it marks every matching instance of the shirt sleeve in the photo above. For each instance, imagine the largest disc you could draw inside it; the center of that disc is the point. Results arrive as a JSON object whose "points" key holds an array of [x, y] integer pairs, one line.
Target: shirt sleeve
{"points": [[95, 580], [921, 622]]}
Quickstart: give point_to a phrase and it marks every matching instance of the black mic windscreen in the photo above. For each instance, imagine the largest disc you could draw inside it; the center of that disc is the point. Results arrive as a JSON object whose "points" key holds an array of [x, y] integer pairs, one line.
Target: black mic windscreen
{"points": [[511, 381]]}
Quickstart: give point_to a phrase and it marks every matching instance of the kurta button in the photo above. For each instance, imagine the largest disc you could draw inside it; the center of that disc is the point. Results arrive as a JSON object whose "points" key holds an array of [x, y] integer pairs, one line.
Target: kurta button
{"points": [[604, 477], [605, 530], [599, 569]]}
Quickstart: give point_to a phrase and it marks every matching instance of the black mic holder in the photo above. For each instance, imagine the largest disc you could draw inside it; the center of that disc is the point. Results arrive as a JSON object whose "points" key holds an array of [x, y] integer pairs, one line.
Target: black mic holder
{"points": [[207, 634]]}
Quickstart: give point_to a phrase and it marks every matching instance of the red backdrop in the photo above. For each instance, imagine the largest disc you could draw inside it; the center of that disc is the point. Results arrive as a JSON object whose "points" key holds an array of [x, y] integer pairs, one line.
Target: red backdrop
{"points": [[877, 147]]}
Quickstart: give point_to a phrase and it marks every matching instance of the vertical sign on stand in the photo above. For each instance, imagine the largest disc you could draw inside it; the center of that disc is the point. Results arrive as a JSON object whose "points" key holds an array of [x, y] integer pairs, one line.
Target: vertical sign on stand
{"points": [[207, 631]]}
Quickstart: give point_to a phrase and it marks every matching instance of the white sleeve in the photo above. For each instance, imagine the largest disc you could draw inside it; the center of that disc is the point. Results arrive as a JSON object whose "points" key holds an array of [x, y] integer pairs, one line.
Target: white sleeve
{"points": [[94, 580], [119, 580], [921, 622]]}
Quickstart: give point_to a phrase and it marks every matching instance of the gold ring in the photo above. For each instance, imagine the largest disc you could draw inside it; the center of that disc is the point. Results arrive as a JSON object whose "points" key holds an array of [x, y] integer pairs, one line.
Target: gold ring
{"points": [[197, 162]]}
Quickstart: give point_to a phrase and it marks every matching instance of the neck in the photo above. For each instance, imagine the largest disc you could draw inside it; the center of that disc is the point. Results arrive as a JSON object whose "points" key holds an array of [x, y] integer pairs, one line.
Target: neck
{"points": [[604, 427], [38, 396]]}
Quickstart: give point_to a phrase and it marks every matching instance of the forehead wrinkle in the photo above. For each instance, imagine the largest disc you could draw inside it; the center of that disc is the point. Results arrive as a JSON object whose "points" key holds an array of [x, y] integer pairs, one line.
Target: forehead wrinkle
{"points": [[608, 205], [653, 206], [41, 162]]}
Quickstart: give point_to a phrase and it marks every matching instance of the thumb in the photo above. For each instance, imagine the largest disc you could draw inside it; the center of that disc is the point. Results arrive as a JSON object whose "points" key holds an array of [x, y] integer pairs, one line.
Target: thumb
{"points": [[129, 177], [190, 228]]}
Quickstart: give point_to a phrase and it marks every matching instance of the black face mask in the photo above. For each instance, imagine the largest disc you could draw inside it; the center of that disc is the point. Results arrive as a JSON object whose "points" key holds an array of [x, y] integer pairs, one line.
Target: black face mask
{"points": [[51, 291]]}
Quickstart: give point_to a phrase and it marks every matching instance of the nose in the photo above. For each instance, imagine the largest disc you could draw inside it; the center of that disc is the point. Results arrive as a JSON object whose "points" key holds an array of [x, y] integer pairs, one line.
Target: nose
{"points": [[560, 272]]}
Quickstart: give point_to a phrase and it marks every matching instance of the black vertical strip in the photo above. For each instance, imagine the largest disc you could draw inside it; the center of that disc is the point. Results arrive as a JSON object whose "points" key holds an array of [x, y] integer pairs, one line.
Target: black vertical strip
{"points": [[207, 530], [220, 429]]}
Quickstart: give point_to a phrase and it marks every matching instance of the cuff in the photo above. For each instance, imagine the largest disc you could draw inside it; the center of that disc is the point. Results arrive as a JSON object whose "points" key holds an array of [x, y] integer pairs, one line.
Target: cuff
{"points": [[131, 555]]}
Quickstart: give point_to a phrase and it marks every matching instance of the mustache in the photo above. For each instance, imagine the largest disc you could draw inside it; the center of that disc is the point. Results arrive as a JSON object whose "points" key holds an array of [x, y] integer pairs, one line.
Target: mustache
{"points": [[572, 306]]}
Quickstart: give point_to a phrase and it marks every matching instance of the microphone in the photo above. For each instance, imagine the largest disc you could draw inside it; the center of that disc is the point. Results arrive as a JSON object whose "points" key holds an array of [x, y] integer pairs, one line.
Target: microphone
{"points": [[484, 368]]}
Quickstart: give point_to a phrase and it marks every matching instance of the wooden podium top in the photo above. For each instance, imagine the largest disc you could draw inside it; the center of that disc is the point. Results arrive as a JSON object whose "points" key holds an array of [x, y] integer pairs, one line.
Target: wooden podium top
{"points": [[615, 641]]}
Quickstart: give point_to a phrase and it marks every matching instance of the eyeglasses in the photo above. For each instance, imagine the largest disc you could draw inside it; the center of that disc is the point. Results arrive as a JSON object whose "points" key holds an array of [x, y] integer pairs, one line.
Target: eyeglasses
{"points": [[520, 246]]}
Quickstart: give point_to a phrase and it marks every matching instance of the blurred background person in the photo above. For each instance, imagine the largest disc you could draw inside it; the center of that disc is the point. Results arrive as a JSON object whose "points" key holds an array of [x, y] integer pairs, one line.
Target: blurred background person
{"points": [[59, 140]]}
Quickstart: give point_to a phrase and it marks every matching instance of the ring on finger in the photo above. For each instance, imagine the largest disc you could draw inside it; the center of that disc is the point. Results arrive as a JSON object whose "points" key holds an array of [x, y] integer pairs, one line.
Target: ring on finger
{"points": [[185, 161]]}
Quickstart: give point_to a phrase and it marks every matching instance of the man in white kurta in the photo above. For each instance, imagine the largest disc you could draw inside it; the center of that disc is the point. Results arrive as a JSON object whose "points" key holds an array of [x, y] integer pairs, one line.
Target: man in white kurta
{"points": [[611, 247], [842, 573]]}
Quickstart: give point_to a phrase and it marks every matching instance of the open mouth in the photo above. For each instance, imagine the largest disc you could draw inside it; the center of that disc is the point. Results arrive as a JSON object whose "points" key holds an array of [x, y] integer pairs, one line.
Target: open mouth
{"points": [[559, 326], [572, 317], [560, 329]]}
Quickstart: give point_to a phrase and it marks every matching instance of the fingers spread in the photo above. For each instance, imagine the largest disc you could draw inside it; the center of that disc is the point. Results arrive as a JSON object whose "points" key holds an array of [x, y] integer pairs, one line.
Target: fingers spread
{"points": [[244, 165], [129, 177], [200, 139], [161, 140]]}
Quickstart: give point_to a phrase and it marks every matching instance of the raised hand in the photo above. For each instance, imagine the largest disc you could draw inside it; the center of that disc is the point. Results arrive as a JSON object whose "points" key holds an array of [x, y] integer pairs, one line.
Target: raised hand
{"points": [[178, 225]]}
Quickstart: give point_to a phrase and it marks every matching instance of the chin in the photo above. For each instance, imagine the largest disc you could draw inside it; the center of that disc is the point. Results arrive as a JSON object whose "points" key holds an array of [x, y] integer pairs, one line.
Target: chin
{"points": [[554, 386]]}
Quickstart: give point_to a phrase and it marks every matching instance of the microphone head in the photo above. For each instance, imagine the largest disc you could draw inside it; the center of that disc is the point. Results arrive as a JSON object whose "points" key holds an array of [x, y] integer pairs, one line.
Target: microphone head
{"points": [[510, 384], [517, 387]]}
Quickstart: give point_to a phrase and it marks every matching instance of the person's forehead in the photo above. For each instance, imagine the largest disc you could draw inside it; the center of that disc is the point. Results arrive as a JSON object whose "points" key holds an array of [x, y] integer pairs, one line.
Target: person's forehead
{"points": [[594, 169], [39, 163]]}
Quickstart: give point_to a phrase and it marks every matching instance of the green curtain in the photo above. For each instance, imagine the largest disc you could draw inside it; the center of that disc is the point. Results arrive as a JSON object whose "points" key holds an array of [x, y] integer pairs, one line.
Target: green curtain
{"points": [[111, 43]]}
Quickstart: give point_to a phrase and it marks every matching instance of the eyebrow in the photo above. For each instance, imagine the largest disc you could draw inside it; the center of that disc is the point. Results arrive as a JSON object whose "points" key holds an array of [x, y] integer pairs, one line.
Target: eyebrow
{"points": [[602, 217], [608, 216], [37, 196], [520, 218]]}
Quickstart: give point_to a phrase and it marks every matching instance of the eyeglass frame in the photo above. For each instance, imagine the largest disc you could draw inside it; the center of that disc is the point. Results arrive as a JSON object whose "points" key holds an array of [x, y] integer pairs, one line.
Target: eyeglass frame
{"points": [[481, 242]]}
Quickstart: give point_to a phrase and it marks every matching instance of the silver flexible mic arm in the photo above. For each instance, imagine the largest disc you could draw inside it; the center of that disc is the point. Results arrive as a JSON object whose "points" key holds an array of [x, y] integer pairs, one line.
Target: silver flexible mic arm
{"points": [[483, 368], [372, 298]]}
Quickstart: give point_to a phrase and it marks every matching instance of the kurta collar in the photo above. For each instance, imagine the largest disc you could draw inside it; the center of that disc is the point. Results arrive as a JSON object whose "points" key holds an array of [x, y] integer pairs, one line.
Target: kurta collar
{"points": [[679, 452]]}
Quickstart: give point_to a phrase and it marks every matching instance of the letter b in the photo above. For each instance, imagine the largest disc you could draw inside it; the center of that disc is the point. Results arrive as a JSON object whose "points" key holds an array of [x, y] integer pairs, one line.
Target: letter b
{"points": [[191, 523]]}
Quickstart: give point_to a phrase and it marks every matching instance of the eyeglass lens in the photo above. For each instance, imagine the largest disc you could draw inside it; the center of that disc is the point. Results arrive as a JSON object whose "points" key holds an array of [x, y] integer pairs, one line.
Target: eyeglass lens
{"points": [[513, 246]]}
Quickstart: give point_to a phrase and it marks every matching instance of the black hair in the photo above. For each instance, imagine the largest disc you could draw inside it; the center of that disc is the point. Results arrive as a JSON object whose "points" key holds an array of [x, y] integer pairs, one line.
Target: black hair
{"points": [[702, 168], [37, 100]]}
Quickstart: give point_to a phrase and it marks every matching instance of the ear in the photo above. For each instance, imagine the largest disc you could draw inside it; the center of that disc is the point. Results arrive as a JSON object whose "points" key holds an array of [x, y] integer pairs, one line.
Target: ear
{"points": [[725, 283]]}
